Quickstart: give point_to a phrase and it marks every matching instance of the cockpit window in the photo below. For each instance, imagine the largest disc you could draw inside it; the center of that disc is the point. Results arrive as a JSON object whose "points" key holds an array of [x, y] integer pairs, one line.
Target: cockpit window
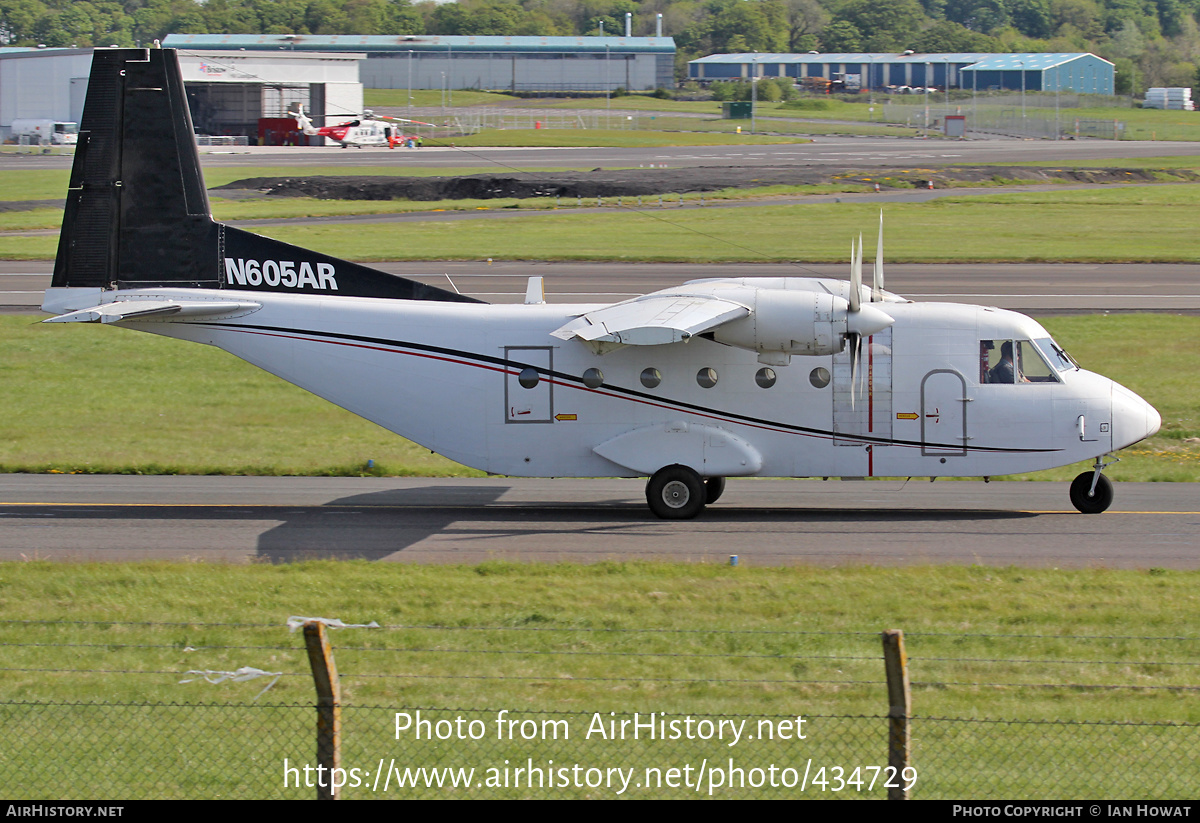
{"points": [[1054, 354], [1013, 361], [1032, 368]]}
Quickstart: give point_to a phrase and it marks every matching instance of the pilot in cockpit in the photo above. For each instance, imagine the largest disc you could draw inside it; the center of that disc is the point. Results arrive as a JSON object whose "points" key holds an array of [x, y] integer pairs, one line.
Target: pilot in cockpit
{"points": [[1005, 370]]}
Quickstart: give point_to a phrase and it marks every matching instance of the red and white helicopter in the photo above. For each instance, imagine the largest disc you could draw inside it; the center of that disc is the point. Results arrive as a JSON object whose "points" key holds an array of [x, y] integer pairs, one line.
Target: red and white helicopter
{"points": [[368, 129]]}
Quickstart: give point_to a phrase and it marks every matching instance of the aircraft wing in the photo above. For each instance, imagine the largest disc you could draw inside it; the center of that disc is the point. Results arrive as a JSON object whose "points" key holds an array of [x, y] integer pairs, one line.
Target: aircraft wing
{"points": [[140, 309], [654, 320]]}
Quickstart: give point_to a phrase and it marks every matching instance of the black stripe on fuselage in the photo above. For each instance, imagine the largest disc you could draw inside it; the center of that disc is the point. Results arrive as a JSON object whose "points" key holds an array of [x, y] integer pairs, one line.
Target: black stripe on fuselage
{"points": [[503, 363]]}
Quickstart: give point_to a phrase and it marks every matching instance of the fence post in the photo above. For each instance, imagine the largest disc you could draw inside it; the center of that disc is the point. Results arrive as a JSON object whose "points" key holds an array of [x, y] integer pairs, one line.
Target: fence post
{"points": [[895, 663], [329, 708]]}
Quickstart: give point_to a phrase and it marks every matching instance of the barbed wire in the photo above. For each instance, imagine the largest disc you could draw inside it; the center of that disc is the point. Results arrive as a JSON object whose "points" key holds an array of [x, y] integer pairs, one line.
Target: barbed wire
{"points": [[941, 684], [615, 630], [123, 671], [390, 707], [575, 679], [569, 653], [173, 646]]}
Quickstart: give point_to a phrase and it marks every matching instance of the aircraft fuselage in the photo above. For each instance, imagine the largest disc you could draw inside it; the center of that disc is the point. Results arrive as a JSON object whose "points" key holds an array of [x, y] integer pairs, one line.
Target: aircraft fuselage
{"points": [[489, 387]]}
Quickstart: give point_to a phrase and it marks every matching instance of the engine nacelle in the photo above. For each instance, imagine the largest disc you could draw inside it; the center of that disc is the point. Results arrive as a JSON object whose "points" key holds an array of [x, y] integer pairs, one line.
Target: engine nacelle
{"points": [[785, 322]]}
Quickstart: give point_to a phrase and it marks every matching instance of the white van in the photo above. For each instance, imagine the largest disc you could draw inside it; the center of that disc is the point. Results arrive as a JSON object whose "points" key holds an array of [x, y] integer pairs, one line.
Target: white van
{"points": [[46, 132]]}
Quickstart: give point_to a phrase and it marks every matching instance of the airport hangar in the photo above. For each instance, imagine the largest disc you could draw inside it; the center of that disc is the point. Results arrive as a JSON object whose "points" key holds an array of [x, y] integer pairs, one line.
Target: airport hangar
{"points": [[542, 64], [228, 93], [1079, 72]]}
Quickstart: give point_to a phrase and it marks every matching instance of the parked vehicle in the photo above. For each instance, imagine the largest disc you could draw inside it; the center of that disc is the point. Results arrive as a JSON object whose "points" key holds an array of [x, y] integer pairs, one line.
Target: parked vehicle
{"points": [[46, 132]]}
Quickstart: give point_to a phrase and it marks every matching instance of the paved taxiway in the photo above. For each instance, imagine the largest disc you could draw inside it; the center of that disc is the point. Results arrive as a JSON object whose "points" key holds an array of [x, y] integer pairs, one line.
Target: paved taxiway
{"points": [[1038, 289], [431, 520], [849, 152]]}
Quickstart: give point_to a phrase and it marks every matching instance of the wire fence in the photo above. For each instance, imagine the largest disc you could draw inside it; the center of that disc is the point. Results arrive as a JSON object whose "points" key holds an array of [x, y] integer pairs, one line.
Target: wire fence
{"points": [[1033, 115], [107, 711]]}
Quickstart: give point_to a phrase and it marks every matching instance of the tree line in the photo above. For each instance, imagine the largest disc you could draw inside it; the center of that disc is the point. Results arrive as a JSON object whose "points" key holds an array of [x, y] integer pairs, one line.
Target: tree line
{"points": [[1152, 42]]}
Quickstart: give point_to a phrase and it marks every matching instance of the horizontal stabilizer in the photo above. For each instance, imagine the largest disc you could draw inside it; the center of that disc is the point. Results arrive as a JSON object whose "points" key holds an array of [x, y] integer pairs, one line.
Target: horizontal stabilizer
{"points": [[145, 309], [655, 320]]}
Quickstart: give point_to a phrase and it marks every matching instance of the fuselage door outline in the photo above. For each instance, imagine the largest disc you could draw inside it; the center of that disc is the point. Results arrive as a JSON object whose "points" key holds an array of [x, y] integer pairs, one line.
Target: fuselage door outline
{"points": [[943, 415]]}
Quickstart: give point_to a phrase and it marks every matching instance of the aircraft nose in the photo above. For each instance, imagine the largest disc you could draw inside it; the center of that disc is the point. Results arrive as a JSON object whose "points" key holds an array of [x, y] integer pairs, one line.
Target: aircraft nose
{"points": [[1133, 419]]}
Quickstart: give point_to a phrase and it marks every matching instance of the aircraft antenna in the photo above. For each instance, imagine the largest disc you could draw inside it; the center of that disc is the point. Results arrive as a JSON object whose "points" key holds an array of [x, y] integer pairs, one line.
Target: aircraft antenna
{"points": [[877, 286]]}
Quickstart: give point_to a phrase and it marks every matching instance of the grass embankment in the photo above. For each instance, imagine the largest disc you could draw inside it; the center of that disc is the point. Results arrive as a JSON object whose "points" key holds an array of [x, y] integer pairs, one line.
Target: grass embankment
{"points": [[150, 405]]}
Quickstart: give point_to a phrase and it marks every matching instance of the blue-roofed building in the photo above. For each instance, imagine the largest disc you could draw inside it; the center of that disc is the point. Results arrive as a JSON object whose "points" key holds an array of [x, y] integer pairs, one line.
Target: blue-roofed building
{"points": [[1079, 72], [468, 62]]}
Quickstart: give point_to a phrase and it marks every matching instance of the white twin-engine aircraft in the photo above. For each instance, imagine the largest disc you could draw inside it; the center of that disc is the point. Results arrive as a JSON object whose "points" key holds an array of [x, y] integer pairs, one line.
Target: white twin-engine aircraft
{"points": [[746, 377]]}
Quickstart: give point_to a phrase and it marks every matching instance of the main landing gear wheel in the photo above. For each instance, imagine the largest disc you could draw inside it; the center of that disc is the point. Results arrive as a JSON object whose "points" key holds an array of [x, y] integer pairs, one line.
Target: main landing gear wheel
{"points": [[676, 493], [714, 487], [1087, 501]]}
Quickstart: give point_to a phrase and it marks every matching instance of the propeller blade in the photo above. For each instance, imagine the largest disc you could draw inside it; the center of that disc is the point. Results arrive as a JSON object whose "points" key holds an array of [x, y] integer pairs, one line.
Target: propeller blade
{"points": [[877, 286], [855, 275], [854, 342]]}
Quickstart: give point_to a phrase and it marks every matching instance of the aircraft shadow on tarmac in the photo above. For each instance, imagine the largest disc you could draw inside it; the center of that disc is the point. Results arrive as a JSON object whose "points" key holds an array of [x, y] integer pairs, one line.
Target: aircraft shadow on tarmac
{"points": [[382, 524]]}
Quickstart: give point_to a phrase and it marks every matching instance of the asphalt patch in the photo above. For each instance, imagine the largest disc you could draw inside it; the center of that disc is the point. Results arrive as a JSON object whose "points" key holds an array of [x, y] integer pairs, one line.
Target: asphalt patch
{"points": [[644, 182]]}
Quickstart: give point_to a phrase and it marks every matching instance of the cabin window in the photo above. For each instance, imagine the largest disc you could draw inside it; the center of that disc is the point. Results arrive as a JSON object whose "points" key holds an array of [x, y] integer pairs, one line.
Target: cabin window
{"points": [[765, 378], [528, 377], [651, 378], [593, 378], [1008, 362], [819, 377], [707, 378]]}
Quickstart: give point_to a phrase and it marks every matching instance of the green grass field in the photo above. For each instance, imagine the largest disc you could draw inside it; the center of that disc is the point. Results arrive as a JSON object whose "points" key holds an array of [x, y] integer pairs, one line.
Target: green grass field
{"points": [[98, 710], [1134, 224], [1146, 225], [169, 407], [426, 98], [758, 623]]}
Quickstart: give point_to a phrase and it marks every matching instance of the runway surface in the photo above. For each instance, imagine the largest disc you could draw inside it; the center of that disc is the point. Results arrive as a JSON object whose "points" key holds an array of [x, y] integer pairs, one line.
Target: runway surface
{"points": [[428, 520], [851, 152], [1037, 289]]}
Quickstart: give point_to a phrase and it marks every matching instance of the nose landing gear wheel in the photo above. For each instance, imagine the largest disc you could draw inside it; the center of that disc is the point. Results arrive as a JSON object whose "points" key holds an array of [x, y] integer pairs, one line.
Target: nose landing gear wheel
{"points": [[1093, 503], [676, 493]]}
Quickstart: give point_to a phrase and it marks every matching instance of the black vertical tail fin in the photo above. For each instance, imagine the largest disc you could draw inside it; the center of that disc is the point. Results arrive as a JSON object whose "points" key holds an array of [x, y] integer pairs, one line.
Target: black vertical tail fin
{"points": [[136, 209], [137, 214]]}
